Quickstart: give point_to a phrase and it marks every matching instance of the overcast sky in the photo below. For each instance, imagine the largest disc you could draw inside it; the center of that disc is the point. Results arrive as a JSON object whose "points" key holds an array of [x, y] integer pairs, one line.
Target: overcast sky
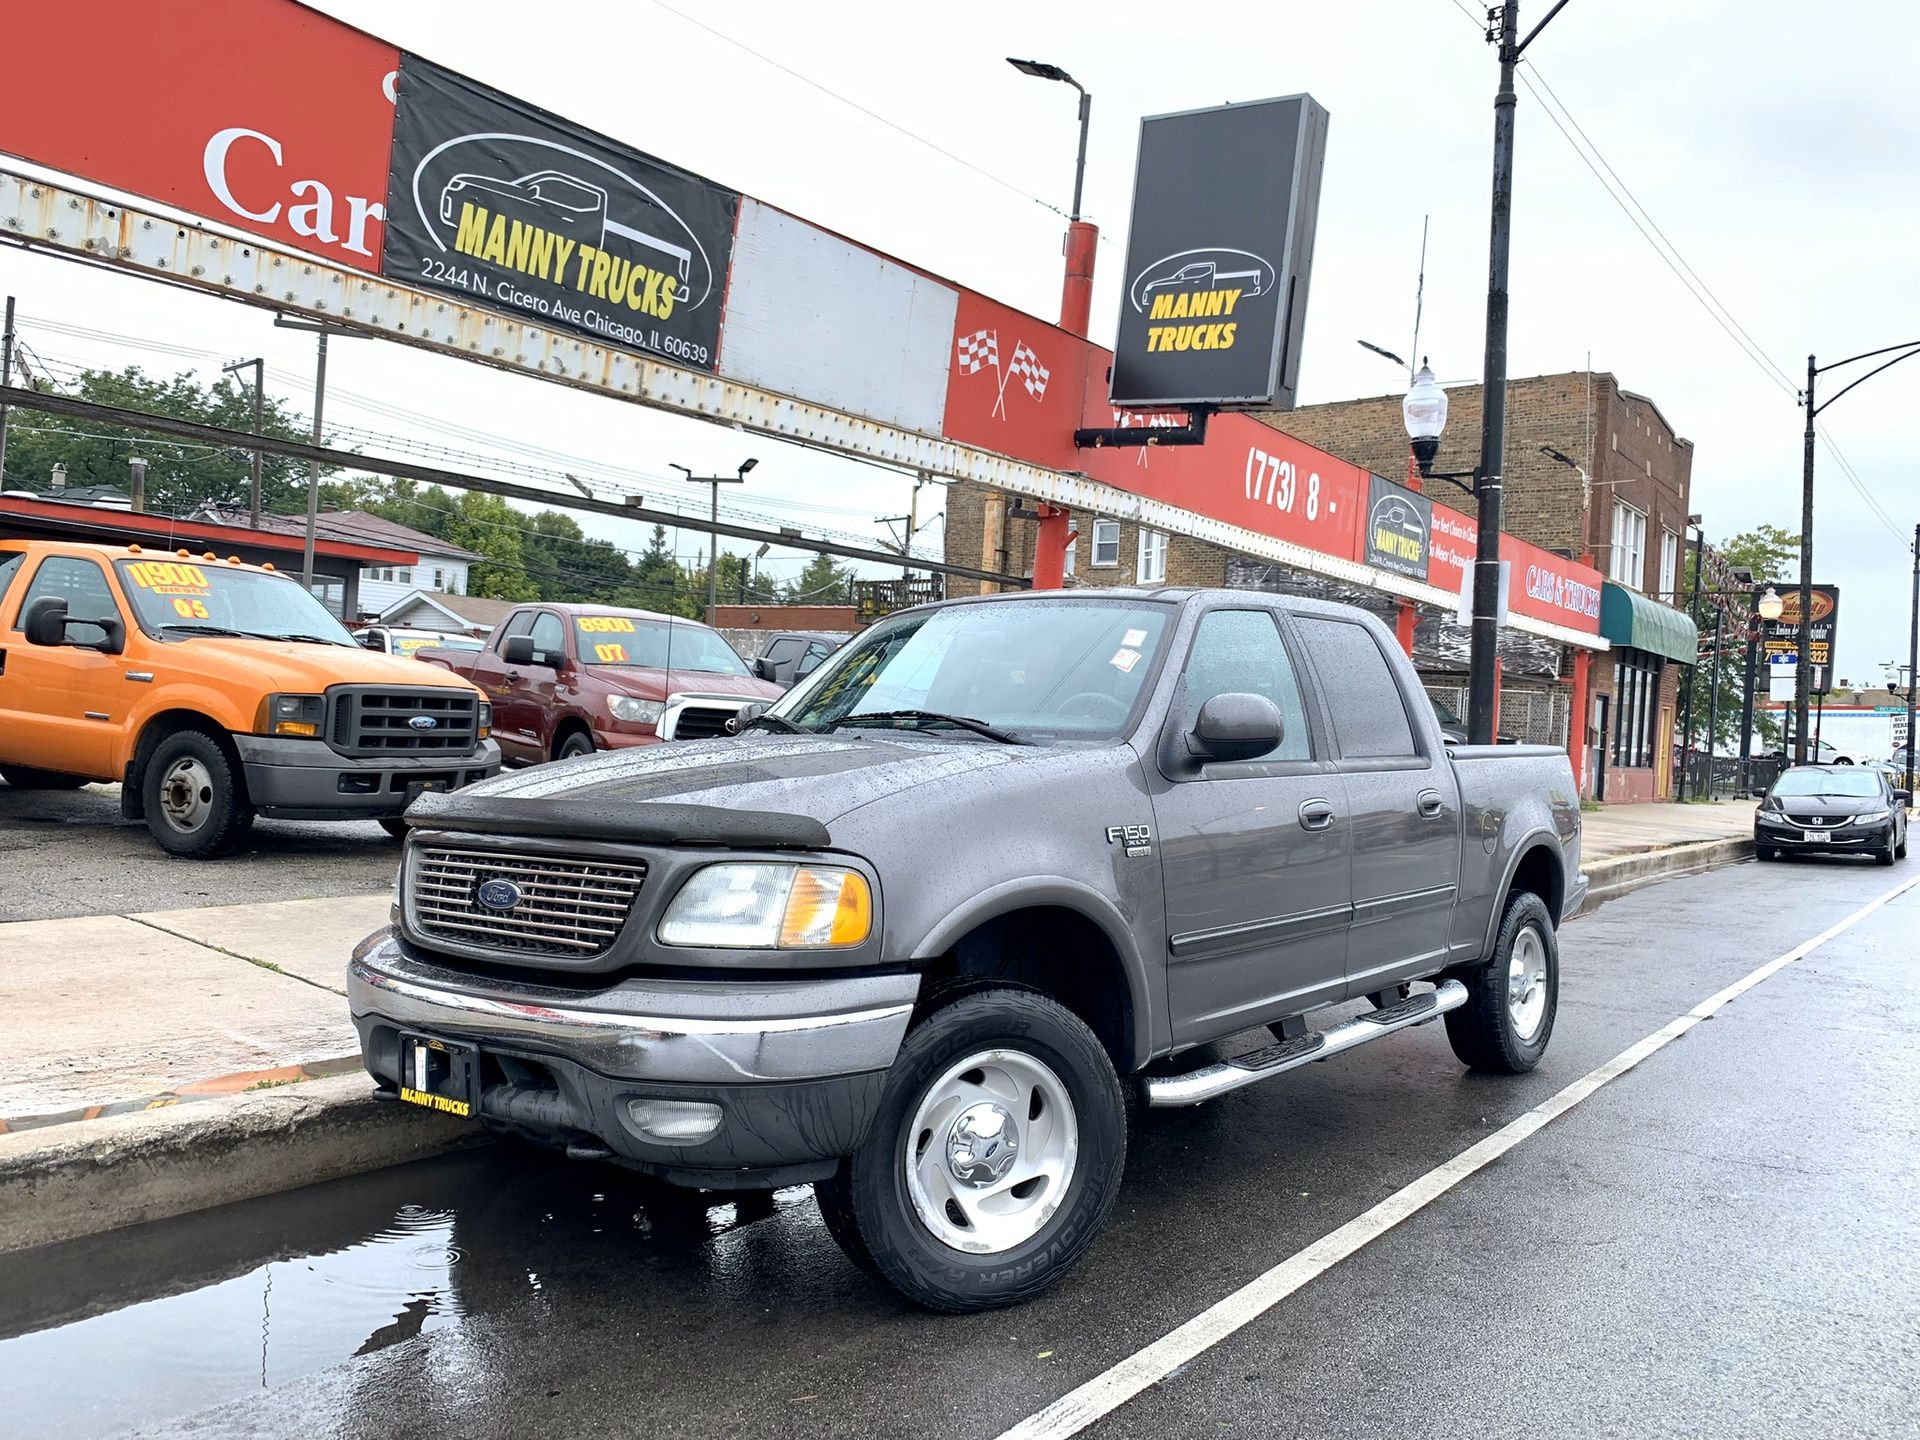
{"points": [[1775, 146]]}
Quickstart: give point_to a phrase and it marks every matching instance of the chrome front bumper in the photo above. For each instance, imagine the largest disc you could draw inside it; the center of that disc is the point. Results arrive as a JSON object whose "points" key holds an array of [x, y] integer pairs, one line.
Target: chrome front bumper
{"points": [[716, 1031]]}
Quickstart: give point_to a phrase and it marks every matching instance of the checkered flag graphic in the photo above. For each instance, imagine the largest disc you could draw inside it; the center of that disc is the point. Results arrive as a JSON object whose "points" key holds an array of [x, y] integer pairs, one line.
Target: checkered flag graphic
{"points": [[978, 351], [1032, 374]]}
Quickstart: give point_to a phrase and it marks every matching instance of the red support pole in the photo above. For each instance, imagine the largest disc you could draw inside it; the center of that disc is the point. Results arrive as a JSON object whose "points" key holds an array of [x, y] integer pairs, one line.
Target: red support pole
{"points": [[1577, 721], [1403, 627], [1076, 294], [1050, 548]]}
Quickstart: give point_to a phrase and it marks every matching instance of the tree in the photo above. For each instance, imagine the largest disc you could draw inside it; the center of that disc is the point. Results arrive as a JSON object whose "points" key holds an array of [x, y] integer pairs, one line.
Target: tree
{"points": [[181, 475], [658, 582], [822, 583], [488, 526], [427, 508], [569, 567], [1772, 555]]}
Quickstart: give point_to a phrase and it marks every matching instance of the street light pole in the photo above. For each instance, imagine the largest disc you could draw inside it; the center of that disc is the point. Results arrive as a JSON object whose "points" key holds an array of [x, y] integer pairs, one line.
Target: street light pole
{"points": [[259, 385], [1913, 655], [1076, 295], [714, 482], [1693, 614]]}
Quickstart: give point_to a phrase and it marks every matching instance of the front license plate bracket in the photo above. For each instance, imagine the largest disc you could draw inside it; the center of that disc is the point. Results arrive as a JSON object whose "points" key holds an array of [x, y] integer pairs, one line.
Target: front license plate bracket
{"points": [[440, 1075]]}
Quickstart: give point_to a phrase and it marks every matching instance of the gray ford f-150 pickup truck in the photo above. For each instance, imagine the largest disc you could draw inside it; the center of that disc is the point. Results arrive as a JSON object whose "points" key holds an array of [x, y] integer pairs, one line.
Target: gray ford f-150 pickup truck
{"points": [[916, 932]]}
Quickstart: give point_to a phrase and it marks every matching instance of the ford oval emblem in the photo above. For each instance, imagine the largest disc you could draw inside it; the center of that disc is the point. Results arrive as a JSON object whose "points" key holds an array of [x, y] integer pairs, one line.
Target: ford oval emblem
{"points": [[497, 894], [423, 722]]}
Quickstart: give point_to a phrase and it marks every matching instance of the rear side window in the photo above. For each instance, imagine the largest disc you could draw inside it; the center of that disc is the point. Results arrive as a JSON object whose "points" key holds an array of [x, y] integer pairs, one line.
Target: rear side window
{"points": [[783, 650], [1369, 716], [1239, 652], [83, 585]]}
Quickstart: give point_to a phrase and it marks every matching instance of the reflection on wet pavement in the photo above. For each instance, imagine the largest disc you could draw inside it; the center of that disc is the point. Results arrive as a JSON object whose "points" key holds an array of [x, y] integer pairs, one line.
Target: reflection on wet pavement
{"points": [[214, 1307]]}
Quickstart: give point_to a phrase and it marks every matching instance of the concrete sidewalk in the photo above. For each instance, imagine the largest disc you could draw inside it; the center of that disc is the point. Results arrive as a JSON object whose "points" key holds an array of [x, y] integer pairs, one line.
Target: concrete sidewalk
{"points": [[171, 1005]]}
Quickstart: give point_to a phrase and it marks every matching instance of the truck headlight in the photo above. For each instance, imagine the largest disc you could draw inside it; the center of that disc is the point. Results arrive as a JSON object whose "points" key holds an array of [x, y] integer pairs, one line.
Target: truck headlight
{"points": [[768, 907], [301, 715], [640, 712], [484, 720]]}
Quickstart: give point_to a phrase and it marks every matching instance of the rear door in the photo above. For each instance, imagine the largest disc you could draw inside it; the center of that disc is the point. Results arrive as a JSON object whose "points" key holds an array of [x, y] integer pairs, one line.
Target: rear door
{"points": [[63, 706], [1256, 854], [1405, 805]]}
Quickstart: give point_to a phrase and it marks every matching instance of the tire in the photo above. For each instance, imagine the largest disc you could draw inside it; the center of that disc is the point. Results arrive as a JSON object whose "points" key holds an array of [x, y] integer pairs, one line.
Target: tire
{"points": [[196, 801], [900, 1220], [22, 777], [395, 827], [1887, 854], [1496, 1031], [574, 742]]}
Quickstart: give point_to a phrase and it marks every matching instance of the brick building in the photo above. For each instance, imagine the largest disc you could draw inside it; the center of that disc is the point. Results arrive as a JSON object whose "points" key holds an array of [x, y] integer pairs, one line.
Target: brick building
{"points": [[1631, 519]]}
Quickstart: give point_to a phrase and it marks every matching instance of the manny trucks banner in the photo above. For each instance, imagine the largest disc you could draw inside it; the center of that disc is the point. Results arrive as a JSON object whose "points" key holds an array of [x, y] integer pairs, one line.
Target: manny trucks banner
{"points": [[517, 209], [1218, 255]]}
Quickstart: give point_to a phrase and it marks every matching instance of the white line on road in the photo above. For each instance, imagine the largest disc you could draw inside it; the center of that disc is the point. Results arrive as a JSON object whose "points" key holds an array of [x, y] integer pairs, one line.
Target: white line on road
{"points": [[1112, 1388]]}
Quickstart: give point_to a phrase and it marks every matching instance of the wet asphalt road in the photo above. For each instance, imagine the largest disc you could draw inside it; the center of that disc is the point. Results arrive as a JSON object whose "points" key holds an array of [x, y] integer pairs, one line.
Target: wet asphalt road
{"points": [[68, 852], [1724, 1241]]}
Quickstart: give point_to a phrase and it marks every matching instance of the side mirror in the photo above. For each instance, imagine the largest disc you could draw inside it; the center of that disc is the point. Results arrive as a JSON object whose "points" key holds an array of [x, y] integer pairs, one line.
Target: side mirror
{"points": [[518, 650], [1903, 797], [763, 668], [45, 622], [1236, 727], [372, 641]]}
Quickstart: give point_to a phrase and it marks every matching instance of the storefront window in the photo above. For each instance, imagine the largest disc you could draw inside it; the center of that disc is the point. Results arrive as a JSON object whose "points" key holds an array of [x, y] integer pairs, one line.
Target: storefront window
{"points": [[1636, 689]]}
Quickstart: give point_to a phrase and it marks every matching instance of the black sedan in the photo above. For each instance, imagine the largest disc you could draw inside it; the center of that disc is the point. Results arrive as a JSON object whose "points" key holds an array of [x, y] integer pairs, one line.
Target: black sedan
{"points": [[1832, 810]]}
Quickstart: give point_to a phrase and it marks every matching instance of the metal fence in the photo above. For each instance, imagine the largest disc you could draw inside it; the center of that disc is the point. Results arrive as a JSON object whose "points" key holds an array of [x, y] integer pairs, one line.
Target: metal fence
{"points": [[1727, 779], [1532, 717]]}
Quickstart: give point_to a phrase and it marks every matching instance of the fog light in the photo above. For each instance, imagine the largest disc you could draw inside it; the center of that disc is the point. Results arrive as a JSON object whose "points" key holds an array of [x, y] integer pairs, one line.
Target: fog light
{"points": [[674, 1122]]}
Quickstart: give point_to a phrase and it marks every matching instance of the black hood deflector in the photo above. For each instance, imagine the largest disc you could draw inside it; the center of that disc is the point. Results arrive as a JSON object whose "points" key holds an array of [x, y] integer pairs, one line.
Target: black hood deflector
{"points": [[596, 818]]}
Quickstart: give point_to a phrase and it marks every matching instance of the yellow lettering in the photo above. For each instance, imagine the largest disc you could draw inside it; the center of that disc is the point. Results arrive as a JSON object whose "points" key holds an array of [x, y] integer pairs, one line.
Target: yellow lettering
{"points": [[1162, 306], [587, 252], [652, 305], [619, 277], [602, 268], [1233, 298], [562, 248], [1212, 305], [1226, 334], [495, 249], [1182, 306], [669, 292], [520, 247], [473, 228]]}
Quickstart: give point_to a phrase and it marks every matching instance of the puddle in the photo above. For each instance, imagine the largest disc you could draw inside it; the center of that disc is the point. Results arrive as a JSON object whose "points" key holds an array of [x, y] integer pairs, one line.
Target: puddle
{"points": [[161, 1322]]}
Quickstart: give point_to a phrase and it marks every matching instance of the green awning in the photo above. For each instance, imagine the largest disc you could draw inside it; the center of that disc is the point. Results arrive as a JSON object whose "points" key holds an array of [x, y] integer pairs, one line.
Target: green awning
{"points": [[1629, 618]]}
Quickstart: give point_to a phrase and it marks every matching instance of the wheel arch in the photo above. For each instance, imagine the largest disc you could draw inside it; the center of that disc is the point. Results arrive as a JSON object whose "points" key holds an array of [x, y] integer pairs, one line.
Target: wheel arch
{"points": [[157, 727], [1536, 867], [1019, 932], [569, 724]]}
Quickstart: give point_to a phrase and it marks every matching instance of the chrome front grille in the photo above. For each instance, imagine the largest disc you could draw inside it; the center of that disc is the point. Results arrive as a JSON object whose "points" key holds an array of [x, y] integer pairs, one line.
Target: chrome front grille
{"points": [[567, 905]]}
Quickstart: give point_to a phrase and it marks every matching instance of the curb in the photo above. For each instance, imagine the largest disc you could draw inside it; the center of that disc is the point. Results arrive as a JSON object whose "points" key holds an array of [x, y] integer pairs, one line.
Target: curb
{"points": [[1613, 877], [78, 1179], [220, 1085]]}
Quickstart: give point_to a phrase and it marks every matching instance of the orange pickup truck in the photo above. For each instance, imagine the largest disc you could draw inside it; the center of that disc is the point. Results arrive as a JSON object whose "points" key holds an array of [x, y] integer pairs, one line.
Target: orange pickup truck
{"points": [[215, 691]]}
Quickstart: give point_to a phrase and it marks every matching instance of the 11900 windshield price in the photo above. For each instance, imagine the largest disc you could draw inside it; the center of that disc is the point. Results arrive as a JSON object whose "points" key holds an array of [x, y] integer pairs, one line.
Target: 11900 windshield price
{"points": [[1276, 482]]}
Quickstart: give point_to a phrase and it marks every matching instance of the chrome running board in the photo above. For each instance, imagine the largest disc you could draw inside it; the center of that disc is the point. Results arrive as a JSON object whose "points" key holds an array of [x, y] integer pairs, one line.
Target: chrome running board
{"points": [[1270, 1060]]}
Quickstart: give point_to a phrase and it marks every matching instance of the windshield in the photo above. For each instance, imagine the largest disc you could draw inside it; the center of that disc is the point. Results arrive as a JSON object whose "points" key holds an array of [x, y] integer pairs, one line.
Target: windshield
{"points": [[1851, 782], [628, 640], [1063, 672], [408, 644], [178, 597]]}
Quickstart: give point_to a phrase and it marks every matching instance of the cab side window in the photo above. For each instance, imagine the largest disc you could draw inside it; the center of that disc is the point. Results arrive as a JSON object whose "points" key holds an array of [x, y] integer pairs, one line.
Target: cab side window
{"points": [[549, 636], [1369, 714], [83, 585], [1239, 652], [518, 625]]}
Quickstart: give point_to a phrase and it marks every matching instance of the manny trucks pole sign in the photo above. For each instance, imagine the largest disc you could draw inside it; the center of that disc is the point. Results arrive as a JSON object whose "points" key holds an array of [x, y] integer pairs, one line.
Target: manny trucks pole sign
{"points": [[504, 204], [1218, 256]]}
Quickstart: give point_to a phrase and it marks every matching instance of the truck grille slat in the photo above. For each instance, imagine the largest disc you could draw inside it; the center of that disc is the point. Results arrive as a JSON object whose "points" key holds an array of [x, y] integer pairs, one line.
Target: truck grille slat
{"points": [[570, 904], [703, 722], [367, 721]]}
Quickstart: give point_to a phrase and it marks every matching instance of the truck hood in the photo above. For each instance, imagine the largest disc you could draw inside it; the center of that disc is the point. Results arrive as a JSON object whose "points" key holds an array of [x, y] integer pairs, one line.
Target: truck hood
{"points": [[647, 682], [282, 665], [819, 777]]}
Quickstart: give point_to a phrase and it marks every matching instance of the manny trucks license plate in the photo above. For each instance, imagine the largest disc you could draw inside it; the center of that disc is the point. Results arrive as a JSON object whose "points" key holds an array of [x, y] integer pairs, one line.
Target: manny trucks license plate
{"points": [[1816, 836], [439, 1074]]}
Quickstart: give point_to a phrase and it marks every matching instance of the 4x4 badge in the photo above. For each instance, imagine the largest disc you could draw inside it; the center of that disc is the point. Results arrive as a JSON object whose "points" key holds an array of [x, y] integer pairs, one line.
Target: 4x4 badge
{"points": [[1138, 839]]}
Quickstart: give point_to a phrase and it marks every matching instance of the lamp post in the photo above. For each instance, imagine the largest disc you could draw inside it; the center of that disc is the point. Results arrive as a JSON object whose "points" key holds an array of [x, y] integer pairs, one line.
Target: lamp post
{"points": [[714, 482], [1767, 607], [1693, 614], [1913, 655], [1076, 295], [1424, 412], [1802, 673]]}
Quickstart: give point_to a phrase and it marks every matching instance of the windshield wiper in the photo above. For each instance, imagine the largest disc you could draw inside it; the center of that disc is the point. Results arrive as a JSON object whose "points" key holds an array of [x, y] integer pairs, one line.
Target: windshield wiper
{"points": [[932, 717], [777, 722], [298, 639], [203, 629]]}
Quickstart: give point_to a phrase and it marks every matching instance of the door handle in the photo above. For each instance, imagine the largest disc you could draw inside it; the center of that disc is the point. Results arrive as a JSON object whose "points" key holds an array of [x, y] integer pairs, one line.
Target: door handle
{"points": [[1316, 815], [1431, 803]]}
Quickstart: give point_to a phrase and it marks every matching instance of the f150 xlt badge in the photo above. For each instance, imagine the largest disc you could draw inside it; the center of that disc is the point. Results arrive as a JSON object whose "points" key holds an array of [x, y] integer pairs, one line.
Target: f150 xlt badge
{"points": [[1138, 839]]}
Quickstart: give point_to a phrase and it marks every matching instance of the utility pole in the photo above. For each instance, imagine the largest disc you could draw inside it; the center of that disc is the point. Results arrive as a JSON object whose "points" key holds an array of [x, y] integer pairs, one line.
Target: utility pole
{"points": [[259, 385], [1803, 667], [1693, 614], [6, 381], [713, 483], [1913, 656]]}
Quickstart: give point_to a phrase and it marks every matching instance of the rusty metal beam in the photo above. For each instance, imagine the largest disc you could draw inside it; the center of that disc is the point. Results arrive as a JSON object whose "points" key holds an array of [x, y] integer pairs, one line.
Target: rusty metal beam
{"points": [[241, 440]]}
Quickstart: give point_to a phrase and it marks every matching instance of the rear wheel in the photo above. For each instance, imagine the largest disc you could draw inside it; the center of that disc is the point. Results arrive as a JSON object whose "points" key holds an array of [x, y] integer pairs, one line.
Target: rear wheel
{"points": [[196, 802], [1511, 1000], [994, 1159], [21, 777]]}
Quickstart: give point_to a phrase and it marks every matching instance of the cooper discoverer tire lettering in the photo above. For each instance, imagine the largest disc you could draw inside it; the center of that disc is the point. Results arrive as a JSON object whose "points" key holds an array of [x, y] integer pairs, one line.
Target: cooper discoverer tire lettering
{"points": [[994, 1159]]}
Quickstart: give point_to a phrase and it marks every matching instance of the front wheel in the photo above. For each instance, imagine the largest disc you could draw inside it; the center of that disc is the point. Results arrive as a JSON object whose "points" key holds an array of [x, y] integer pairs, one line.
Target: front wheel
{"points": [[577, 742], [1888, 852], [994, 1160], [395, 826], [196, 801], [1511, 1000]]}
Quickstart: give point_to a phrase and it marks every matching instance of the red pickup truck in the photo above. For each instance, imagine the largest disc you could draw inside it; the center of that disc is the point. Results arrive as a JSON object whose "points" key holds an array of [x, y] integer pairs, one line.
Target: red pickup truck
{"points": [[570, 679]]}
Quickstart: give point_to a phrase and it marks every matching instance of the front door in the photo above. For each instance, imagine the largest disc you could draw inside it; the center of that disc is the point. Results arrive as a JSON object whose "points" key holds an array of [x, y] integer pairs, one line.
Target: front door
{"points": [[513, 716], [1663, 755], [65, 704], [1405, 808], [1256, 853]]}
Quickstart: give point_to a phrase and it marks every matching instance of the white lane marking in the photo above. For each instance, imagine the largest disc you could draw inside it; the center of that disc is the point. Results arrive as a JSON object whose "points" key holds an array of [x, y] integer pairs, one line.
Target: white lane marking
{"points": [[1111, 1389]]}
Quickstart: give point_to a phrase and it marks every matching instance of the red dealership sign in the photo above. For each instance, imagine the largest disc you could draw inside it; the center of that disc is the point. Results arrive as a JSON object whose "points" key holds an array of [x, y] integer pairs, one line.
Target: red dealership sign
{"points": [[258, 114]]}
